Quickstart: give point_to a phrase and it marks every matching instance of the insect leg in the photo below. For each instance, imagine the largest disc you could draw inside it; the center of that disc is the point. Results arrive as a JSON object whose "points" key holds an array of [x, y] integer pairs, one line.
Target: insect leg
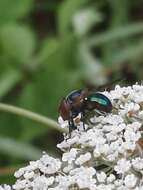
{"points": [[71, 124], [70, 128], [82, 118]]}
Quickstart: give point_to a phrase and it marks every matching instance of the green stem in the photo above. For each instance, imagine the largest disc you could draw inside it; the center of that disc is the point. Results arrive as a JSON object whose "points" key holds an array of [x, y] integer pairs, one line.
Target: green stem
{"points": [[31, 115]]}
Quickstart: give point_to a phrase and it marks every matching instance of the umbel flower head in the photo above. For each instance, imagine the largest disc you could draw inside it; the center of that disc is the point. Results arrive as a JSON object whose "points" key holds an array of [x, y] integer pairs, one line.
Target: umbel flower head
{"points": [[108, 155]]}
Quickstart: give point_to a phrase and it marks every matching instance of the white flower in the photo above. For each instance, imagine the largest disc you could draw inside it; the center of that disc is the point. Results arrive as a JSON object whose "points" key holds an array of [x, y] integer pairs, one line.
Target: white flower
{"points": [[49, 165], [5, 187], [70, 156], [130, 135], [113, 120], [63, 124], [19, 173], [68, 168], [83, 158], [96, 153], [68, 143], [118, 183], [28, 175], [84, 177], [42, 183], [140, 114], [21, 184], [111, 178], [138, 163], [122, 166], [130, 181], [104, 156], [101, 177], [104, 149]]}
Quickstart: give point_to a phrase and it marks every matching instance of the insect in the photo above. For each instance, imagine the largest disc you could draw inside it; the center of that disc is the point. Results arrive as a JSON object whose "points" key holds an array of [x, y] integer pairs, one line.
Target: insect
{"points": [[82, 101]]}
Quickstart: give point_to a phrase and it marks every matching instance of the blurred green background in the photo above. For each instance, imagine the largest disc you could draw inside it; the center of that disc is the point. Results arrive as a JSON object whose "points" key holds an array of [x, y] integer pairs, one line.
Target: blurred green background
{"points": [[50, 47]]}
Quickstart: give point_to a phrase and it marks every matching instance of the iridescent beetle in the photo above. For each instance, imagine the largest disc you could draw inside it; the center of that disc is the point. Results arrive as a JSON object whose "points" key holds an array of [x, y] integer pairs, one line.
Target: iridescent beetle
{"points": [[83, 101]]}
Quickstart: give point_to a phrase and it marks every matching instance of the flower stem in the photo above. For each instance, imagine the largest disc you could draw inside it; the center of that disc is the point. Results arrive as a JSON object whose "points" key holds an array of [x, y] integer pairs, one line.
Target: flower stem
{"points": [[31, 115]]}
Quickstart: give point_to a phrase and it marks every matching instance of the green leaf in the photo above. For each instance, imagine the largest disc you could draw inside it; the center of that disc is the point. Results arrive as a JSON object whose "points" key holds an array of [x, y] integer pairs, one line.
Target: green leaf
{"points": [[7, 179], [116, 34], [85, 19], [17, 42], [18, 149], [11, 10], [49, 48], [66, 12], [130, 53], [7, 80], [59, 68], [120, 12]]}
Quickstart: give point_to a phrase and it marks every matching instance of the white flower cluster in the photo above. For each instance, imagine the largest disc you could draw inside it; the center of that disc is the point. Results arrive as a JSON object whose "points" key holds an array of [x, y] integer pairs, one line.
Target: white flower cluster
{"points": [[107, 155]]}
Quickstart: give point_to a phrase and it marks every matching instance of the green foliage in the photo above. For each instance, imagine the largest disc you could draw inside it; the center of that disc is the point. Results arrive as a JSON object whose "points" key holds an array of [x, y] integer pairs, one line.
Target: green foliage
{"points": [[12, 10], [56, 73], [119, 33], [7, 80], [130, 53], [17, 42], [66, 12], [44, 48], [18, 149]]}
